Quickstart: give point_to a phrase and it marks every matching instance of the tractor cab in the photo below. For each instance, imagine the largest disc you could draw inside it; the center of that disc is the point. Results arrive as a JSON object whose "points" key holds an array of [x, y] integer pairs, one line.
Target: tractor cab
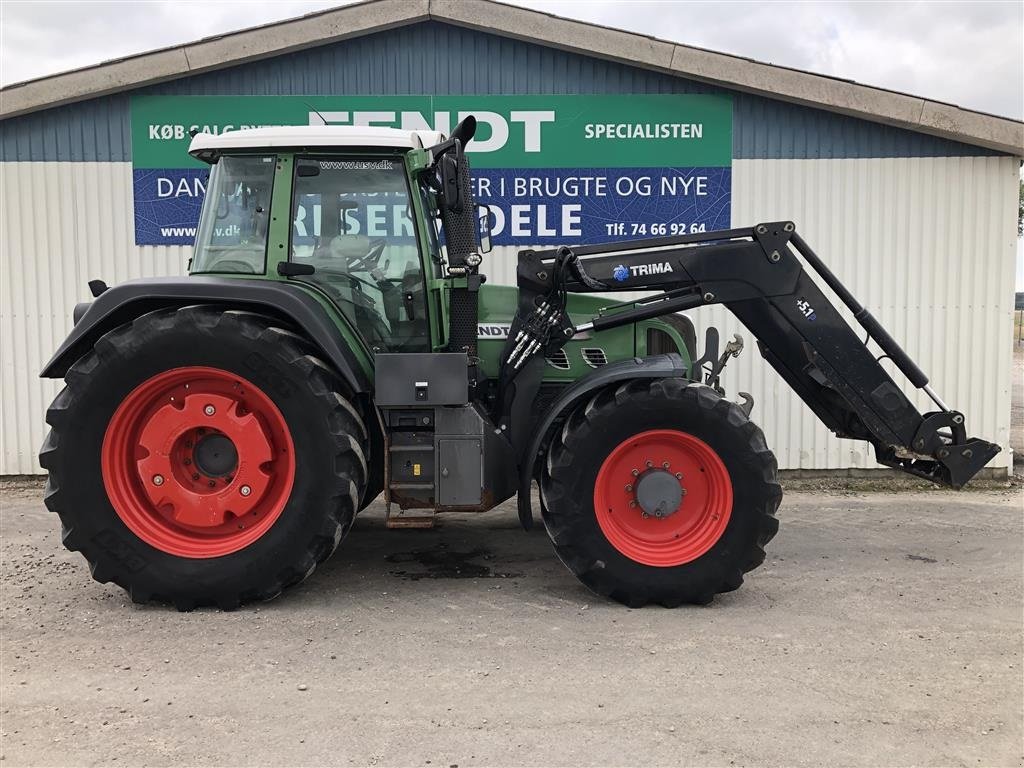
{"points": [[354, 215], [336, 208]]}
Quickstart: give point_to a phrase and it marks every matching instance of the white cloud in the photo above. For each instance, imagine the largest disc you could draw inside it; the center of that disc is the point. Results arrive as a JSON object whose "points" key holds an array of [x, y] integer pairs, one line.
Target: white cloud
{"points": [[966, 53], [969, 53]]}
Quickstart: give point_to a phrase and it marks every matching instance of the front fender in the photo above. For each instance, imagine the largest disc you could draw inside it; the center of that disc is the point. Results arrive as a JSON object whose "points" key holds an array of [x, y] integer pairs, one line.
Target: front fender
{"points": [[127, 301], [656, 367]]}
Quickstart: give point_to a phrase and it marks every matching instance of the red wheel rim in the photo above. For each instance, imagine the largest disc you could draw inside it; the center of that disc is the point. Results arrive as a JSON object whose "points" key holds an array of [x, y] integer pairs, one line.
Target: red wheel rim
{"points": [[678, 535], [198, 462]]}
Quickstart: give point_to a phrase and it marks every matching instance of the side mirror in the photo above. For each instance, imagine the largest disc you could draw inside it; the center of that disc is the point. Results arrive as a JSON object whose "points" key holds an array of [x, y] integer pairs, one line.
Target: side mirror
{"points": [[485, 228], [451, 190], [451, 163]]}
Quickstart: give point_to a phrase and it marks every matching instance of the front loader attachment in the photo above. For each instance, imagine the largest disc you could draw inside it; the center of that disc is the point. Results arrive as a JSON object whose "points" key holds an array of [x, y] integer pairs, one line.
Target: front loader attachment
{"points": [[755, 273], [805, 339]]}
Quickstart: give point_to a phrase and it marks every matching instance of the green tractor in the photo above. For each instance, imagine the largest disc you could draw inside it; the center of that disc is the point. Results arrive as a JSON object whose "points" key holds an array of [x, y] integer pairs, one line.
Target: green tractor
{"points": [[335, 339]]}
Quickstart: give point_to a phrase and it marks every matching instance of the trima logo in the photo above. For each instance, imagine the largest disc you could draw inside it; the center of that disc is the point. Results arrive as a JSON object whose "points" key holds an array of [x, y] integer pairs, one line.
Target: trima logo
{"points": [[620, 273], [643, 270]]}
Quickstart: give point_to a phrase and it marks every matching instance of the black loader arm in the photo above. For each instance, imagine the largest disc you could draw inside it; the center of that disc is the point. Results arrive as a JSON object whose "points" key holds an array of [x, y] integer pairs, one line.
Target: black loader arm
{"points": [[756, 274]]}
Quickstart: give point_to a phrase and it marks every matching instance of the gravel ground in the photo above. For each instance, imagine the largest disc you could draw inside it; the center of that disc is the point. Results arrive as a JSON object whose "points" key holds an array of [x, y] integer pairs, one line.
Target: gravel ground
{"points": [[884, 629], [1017, 410]]}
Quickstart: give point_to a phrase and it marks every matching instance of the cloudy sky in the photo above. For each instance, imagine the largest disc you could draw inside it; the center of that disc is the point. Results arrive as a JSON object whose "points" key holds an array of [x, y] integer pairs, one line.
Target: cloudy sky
{"points": [[967, 53]]}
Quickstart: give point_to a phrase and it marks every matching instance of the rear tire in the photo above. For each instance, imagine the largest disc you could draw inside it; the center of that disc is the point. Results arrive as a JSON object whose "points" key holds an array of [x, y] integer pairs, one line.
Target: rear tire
{"points": [[727, 493], [232, 532]]}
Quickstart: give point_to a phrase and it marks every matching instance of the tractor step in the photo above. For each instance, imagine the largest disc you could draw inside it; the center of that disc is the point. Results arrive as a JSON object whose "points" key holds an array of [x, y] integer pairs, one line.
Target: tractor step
{"points": [[409, 518]]}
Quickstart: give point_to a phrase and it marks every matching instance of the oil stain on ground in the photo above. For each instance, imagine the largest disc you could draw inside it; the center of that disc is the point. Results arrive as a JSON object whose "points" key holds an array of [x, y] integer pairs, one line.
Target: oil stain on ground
{"points": [[443, 563]]}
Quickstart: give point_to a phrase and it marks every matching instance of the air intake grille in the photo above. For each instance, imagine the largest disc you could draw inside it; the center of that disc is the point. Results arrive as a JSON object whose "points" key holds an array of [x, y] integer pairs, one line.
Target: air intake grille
{"points": [[594, 357], [559, 360]]}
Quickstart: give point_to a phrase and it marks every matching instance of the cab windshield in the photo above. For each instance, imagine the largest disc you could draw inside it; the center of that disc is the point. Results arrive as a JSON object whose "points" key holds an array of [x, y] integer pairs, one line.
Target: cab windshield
{"points": [[232, 234]]}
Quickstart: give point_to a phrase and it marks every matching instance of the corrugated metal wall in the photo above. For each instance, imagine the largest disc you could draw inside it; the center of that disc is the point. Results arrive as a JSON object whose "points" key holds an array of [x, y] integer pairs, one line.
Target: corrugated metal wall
{"points": [[927, 243], [929, 246], [922, 228], [61, 225]]}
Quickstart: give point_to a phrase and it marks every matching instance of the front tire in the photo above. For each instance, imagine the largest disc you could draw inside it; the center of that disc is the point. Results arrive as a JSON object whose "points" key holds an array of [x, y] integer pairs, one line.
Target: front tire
{"points": [[203, 457], [660, 491]]}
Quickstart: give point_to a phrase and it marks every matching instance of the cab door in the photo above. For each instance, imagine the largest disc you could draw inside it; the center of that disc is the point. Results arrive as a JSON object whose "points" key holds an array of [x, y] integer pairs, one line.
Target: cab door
{"points": [[354, 224]]}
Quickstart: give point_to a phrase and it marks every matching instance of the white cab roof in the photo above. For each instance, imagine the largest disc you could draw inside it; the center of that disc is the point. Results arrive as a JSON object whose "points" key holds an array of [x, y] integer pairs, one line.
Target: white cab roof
{"points": [[207, 146]]}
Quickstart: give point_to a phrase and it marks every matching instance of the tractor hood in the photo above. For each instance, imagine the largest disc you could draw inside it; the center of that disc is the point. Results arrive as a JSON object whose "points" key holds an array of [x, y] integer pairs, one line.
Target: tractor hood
{"points": [[581, 355]]}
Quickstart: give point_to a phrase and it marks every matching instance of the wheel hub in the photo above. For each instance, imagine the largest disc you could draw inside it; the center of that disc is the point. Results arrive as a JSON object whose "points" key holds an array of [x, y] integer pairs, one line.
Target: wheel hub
{"points": [[215, 455], [659, 493]]}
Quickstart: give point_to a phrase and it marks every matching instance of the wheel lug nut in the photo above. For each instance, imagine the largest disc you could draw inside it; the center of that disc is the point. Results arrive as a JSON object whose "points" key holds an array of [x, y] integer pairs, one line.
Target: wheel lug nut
{"points": [[629, 488], [679, 475], [209, 410], [632, 504], [650, 463], [158, 479], [212, 483], [664, 464], [245, 490], [187, 462], [635, 472]]}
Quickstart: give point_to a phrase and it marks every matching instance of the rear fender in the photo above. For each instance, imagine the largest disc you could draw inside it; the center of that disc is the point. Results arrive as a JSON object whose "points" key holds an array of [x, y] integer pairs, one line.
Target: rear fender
{"points": [[656, 367], [123, 303]]}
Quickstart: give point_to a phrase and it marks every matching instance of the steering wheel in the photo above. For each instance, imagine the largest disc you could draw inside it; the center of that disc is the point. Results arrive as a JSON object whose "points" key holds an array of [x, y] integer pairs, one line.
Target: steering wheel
{"points": [[371, 259]]}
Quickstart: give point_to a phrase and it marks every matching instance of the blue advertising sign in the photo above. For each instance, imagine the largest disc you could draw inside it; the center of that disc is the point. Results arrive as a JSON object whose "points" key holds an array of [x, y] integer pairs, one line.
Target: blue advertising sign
{"points": [[552, 169]]}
